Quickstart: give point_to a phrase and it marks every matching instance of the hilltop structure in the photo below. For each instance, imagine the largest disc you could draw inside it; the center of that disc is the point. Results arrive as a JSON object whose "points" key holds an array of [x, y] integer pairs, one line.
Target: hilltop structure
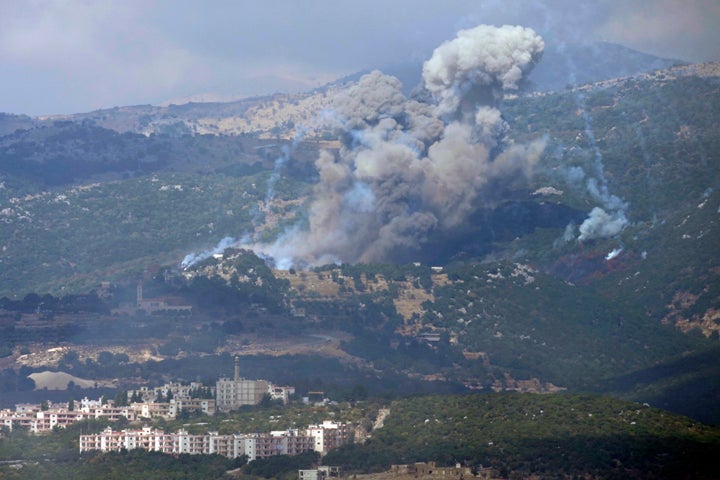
{"points": [[169, 304]]}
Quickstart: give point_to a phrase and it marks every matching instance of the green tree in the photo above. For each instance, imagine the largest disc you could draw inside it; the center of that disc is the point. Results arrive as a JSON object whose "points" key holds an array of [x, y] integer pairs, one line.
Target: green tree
{"points": [[105, 358], [121, 399]]}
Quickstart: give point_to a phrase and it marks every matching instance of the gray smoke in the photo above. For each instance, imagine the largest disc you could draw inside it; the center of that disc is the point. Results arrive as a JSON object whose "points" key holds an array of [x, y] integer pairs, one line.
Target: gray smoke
{"points": [[285, 153], [478, 65], [193, 258], [602, 224], [608, 219], [409, 167]]}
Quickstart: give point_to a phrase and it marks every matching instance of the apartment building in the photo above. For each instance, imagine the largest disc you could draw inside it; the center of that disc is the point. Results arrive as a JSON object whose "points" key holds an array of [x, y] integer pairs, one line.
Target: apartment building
{"points": [[255, 445], [37, 420], [329, 435]]}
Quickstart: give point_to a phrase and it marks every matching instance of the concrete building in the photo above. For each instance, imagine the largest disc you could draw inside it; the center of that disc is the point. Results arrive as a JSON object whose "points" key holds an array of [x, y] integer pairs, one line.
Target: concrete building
{"points": [[432, 470], [202, 405], [169, 304], [183, 398], [164, 410], [37, 420], [320, 473], [329, 435], [256, 445], [231, 394], [280, 393], [289, 442]]}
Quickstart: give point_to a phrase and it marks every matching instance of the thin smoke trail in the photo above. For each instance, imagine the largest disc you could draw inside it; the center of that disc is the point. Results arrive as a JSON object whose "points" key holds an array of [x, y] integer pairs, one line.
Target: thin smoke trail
{"points": [[286, 152], [609, 218]]}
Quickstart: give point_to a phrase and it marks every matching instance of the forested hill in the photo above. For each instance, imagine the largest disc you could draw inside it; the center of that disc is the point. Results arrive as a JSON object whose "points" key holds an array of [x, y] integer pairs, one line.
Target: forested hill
{"points": [[548, 436]]}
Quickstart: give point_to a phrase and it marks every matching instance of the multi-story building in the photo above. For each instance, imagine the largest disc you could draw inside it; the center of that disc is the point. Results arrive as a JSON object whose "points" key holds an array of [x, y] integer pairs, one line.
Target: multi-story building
{"points": [[280, 393], [165, 410], [193, 397], [256, 445], [231, 394], [187, 404], [175, 390], [329, 435], [113, 441], [288, 442], [37, 420]]}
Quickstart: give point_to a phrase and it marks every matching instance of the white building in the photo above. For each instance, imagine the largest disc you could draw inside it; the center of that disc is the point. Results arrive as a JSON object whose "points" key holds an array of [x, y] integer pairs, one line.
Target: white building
{"points": [[280, 393], [329, 435], [320, 473], [38, 420], [183, 398], [256, 445]]}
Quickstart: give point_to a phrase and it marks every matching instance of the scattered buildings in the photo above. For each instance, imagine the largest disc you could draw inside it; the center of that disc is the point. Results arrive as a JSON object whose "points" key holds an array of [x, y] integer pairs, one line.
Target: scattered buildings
{"points": [[165, 402], [39, 420], [176, 398]]}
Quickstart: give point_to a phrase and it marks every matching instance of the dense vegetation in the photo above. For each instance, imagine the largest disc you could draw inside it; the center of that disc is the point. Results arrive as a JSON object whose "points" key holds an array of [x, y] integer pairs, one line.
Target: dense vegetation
{"points": [[551, 436]]}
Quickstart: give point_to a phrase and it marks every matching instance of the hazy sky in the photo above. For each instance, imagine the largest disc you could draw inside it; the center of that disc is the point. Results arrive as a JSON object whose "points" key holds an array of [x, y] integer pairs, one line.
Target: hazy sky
{"points": [[67, 56]]}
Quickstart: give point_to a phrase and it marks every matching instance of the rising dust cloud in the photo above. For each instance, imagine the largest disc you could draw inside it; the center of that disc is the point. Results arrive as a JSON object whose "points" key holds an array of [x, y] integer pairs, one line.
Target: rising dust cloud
{"points": [[411, 167]]}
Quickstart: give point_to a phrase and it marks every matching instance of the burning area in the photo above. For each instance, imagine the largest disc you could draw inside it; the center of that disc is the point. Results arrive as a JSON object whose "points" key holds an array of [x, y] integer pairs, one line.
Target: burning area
{"points": [[410, 167]]}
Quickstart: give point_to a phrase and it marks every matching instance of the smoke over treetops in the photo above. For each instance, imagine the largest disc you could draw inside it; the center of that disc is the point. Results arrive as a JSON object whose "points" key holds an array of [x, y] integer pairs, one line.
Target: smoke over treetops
{"points": [[408, 167]]}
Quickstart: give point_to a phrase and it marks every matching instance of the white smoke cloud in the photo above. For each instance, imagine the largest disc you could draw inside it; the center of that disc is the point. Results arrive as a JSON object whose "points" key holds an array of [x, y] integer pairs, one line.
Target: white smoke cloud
{"points": [[409, 167], [601, 224], [193, 258], [481, 61], [613, 254], [608, 219]]}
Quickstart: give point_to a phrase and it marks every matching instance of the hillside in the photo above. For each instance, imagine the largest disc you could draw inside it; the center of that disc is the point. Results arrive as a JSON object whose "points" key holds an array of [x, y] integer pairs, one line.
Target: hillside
{"points": [[654, 135], [544, 436], [490, 435], [599, 273]]}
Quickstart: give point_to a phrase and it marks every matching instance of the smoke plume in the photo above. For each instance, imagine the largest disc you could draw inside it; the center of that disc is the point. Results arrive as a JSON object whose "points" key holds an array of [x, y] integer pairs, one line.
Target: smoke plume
{"points": [[608, 219], [193, 258], [408, 167], [479, 64]]}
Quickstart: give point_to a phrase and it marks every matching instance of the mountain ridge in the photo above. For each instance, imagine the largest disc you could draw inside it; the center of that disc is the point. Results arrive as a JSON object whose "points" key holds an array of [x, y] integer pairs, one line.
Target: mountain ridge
{"points": [[265, 113]]}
